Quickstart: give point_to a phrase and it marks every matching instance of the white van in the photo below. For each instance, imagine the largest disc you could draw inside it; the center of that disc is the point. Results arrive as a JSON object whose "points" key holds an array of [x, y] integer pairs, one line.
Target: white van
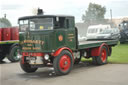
{"points": [[94, 30]]}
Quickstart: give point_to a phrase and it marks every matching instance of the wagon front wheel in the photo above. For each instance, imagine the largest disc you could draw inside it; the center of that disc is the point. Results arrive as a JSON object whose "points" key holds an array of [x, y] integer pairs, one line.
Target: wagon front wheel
{"points": [[27, 68], [63, 63]]}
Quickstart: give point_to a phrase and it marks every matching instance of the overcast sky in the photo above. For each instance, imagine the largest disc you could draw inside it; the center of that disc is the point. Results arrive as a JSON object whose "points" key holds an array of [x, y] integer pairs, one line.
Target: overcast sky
{"points": [[17, 8]]}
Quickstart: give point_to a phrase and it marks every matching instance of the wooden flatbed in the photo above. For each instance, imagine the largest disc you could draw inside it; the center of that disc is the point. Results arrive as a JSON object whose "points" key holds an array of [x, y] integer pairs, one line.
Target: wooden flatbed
{"points": [[95, 43]]}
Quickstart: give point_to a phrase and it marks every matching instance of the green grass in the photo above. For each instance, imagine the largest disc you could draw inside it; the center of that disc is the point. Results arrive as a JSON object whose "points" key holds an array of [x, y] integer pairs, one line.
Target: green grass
{"points": [[119, 54]]}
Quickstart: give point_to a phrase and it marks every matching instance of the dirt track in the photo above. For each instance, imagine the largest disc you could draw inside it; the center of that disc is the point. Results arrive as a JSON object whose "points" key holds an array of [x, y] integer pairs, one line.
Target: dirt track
{"points": [[82, 74]]}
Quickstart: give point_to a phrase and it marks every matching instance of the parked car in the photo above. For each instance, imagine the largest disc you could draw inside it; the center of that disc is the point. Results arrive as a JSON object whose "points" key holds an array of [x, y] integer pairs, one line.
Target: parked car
{"points": [[94, 31], [116, 32], [112, 33]]}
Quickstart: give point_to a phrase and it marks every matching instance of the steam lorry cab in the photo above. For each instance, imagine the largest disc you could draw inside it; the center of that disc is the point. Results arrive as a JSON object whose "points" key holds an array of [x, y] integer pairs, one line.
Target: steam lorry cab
{"points": [[52, 40]]}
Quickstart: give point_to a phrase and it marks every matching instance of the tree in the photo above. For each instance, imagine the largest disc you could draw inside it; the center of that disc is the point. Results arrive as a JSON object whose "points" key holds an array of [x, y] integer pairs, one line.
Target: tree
{"points": [[94, 14], [5, 22]]}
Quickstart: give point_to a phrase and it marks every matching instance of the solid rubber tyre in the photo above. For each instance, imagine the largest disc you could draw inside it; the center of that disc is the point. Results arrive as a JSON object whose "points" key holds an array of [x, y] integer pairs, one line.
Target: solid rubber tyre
{"points": [[27, 68], [13, 54], [63, 63], [2, 56], [102, 58]]}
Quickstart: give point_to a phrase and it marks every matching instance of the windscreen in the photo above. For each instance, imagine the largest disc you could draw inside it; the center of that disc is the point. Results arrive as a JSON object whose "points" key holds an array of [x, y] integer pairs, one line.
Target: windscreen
{"points": [[41, 24], [23, 25], [36, 24]]}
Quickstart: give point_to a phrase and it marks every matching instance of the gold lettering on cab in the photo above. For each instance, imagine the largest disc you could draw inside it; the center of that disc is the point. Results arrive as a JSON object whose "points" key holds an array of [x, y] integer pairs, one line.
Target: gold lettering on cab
{"points": [[29, 44], [26, 48], [30, 48], [33, 41], [36, 48]]}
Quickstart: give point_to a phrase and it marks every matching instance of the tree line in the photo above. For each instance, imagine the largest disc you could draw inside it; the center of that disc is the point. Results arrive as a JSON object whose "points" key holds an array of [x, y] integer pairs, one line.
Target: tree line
{"points": [[95, 14], [5, 23]]}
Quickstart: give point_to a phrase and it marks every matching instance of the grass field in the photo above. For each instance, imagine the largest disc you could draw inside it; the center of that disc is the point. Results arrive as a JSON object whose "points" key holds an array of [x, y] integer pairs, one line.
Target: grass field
{"points": [[119, 54]]}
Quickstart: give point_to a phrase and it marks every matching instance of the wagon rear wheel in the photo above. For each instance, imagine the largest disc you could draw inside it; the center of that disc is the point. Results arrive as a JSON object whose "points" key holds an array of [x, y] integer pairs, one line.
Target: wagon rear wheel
{"points": [[2, 56], [102, 58], [14, 54]]}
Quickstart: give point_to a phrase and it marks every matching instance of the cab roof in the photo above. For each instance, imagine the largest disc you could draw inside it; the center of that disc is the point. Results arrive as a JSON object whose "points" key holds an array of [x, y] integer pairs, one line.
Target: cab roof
{"points": [[43, 16]]}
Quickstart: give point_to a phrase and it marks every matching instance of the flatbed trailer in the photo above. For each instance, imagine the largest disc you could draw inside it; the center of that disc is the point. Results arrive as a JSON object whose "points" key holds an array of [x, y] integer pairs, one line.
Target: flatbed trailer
{"points": [[96, 43], [51, 40], [9, 44]]}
